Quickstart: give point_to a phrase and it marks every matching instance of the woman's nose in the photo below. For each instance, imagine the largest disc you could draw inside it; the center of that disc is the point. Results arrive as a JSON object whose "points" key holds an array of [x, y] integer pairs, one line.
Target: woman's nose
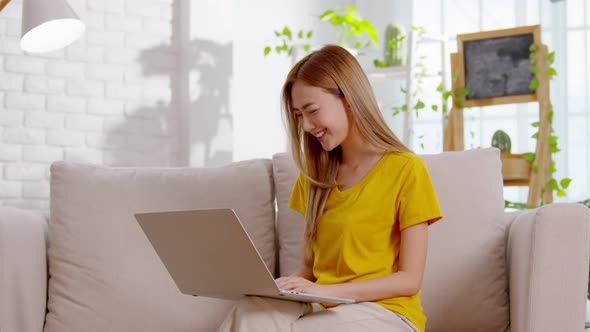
{"points": [[306, 123]]}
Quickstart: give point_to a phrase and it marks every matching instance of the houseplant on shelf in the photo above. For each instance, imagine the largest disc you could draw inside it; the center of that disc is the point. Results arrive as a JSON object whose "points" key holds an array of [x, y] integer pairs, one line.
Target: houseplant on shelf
{"points": [[394, 51], [350, 27], [287, 42]]}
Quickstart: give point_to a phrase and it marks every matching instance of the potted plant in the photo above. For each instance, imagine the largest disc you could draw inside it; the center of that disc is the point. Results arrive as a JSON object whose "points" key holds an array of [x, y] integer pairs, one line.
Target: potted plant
{"points": [[287, 42], [394, 51], [350, 26]]}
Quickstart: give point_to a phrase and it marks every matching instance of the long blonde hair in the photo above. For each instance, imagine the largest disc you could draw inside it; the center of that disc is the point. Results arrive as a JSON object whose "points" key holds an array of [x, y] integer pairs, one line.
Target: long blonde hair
{"points": [[334, 69]]}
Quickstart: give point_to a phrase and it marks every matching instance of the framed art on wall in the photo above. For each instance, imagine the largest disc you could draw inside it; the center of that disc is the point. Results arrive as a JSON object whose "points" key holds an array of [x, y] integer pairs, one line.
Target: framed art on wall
{"points": [[495, 65]]}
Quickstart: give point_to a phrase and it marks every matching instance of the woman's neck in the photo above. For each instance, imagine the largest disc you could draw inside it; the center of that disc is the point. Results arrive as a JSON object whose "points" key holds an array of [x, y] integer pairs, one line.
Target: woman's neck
{"points": [[357, 151]]}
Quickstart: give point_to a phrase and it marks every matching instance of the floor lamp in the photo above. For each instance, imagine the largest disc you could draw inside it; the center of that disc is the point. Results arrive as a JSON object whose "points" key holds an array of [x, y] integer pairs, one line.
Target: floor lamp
{"points": [[48, 25]]}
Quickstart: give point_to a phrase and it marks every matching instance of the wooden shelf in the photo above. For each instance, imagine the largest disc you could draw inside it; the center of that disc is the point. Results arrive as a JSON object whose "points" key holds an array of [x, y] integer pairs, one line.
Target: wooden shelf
{"points": [[388, 73], [516, 170]]}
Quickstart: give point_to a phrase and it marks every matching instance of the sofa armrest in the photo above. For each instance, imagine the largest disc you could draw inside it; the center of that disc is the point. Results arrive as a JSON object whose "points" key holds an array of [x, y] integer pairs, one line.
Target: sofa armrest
{"points": [[548, 257], [23, 270]]}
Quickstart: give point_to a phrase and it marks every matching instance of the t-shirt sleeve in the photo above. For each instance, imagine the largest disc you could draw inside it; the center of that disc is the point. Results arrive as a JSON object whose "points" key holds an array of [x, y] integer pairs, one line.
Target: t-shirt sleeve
{"points": [[298, 200], [417, 200]]}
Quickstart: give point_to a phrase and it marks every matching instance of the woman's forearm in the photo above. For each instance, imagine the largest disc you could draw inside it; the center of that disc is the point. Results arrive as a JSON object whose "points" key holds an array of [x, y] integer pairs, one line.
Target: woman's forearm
{"points": [[394, 285]]}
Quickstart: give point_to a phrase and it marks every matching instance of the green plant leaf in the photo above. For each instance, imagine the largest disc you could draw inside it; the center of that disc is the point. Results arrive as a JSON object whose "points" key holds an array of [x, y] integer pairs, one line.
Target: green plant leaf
{"points": [[529, 156], [278, 34], [309, 33], [561, 193], [553, 139], [534, 84], [446, 95], [300, 34], [533, 48], [533, 57], [455, 75], [553, 184], [535, 124], [290, 51], [419, 105], [404, 108], [267, 50], [327, 15], [555, 149], [565, 182], [535, 168], [440, 87], [552, 168], [534, 69], [278, 49], [371, 32], [463, 91], [287, 32], [550, 117], [402, 89], [551, 57], [551, 72], [535, 135], [306, 48], [515, 205], [434, 108]]}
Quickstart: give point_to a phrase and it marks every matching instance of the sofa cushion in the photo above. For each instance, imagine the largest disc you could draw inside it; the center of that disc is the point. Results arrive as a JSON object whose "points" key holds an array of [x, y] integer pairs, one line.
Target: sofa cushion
{"points": [[104, 274], [465, 285], [289, 222]]}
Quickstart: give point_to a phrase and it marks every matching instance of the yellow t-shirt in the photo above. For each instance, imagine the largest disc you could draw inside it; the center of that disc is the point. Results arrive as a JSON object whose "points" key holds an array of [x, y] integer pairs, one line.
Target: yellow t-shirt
{"points": [[359, 232]]}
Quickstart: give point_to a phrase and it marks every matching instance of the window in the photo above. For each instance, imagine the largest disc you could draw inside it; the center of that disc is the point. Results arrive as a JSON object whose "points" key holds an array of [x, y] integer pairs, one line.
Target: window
{"points": [[566, 31]]}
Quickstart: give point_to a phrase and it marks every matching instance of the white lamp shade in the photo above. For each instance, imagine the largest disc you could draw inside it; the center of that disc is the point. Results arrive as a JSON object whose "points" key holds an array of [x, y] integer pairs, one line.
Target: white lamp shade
{"points": [[48, 25]]}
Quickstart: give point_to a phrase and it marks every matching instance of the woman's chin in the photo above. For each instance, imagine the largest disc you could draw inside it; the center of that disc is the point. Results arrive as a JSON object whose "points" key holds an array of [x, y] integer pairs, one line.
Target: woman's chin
{"points": [[327, 147]]}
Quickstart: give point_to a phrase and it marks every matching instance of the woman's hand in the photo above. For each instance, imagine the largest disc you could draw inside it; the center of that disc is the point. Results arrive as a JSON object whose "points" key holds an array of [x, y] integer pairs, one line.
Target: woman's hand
{"points": [[298, 284]]}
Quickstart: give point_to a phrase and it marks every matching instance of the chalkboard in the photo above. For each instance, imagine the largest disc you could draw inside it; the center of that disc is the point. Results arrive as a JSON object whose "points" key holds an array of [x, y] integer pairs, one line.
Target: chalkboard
{"points": [[495, 65], [498, 67]]}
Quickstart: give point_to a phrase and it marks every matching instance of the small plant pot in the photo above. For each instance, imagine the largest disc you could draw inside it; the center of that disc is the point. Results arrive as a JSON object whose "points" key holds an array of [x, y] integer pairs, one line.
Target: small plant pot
{"points": [[516, 170]]}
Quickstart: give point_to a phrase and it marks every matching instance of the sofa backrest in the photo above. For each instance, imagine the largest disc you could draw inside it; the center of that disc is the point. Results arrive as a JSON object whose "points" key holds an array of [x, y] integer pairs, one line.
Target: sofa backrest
{"points": [[465, 285], [104, 274]]}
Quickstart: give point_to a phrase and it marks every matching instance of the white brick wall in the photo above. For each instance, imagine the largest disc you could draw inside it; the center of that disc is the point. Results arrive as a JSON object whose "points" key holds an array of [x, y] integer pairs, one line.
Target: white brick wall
{"points": [[88, 103]]}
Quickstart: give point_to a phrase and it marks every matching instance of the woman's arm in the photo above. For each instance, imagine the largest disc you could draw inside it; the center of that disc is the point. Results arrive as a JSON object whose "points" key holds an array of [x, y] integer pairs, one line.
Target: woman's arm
{"points": [[406, 282], [305, 269]]}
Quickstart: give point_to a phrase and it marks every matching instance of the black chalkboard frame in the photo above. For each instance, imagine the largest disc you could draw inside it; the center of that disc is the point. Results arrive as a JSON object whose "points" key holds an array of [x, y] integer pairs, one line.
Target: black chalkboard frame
{"points": [[534, 30]]}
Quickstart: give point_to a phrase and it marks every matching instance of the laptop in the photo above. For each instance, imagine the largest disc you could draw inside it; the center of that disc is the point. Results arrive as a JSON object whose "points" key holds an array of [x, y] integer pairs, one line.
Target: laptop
{"points": [[209, 253]]}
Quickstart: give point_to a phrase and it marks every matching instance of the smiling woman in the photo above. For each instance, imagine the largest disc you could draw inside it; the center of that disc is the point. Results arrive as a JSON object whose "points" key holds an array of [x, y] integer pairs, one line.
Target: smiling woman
{"points": [[366, 201]]}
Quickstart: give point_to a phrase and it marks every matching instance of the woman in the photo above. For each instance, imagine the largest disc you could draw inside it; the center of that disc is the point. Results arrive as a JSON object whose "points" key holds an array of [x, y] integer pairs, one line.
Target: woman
{"points": [[367, 202]]}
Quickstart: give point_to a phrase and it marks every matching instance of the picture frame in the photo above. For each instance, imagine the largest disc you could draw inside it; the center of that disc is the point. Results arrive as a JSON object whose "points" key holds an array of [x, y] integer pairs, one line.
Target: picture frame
{"points": [[495, 65]]}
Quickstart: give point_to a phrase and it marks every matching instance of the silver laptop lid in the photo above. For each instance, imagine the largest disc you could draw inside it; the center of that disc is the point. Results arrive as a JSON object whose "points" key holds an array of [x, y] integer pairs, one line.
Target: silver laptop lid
{"points": [[207, 252]]}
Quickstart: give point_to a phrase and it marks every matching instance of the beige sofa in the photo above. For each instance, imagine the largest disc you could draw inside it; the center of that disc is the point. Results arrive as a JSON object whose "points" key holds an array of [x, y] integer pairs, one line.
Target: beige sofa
{"points": [[487, 270]]}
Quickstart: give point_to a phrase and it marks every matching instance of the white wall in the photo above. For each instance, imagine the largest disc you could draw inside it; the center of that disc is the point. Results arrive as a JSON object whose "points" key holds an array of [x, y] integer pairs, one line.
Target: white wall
{"points": [[235, 113], [106, 99], [151, 83]]}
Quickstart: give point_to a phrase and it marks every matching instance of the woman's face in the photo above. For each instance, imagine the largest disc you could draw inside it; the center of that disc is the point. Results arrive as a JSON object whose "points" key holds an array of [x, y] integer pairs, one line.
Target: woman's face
{"points": [[321, 114]]}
